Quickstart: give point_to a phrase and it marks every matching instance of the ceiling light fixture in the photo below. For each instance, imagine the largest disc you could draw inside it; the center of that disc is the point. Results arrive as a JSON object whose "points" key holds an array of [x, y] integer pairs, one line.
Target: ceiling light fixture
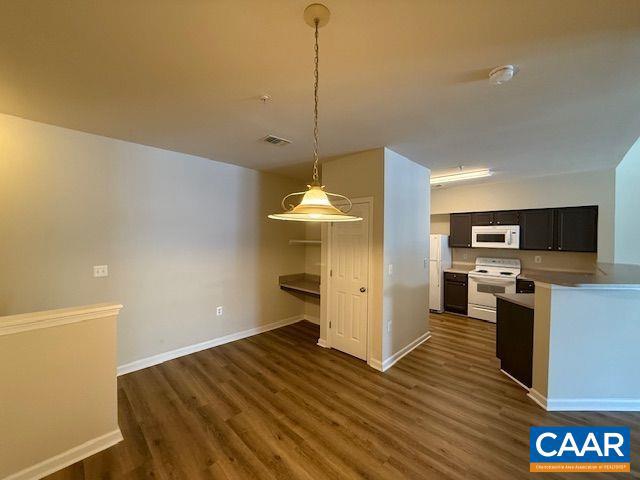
{"points": [[456, 177], [315, 205]]}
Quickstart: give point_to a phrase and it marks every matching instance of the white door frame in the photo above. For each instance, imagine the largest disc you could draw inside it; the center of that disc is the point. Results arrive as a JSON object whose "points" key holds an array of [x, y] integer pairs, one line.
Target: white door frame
{"points": [[324, 298]]}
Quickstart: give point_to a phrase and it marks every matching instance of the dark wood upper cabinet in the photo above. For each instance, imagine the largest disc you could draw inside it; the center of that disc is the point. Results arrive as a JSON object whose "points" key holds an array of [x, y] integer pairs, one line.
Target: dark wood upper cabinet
{"points": [[536, 229], [577, 229], [460, 234], [482, 218], [569, 229], [511, 217]]}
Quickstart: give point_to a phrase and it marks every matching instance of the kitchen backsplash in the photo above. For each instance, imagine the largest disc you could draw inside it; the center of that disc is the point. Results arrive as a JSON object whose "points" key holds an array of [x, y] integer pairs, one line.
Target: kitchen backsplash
{"points": [[565, 261]]}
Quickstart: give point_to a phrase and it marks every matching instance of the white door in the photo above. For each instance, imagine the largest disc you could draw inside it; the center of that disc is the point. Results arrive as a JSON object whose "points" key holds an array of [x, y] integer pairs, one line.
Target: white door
{"points": [[349, 283]]}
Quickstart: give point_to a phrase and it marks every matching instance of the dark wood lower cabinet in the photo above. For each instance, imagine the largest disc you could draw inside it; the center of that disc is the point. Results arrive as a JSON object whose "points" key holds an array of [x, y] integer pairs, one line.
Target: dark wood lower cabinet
{"points": [[514, 340], [455, 293]]}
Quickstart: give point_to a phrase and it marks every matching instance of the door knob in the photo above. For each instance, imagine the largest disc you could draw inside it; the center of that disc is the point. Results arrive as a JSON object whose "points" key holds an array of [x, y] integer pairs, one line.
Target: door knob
{"points": [[362, 289]]}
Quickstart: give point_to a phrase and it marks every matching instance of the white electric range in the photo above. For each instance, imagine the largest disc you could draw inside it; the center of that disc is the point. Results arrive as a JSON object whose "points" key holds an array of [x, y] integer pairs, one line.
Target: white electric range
{"points": [[491, 275]]}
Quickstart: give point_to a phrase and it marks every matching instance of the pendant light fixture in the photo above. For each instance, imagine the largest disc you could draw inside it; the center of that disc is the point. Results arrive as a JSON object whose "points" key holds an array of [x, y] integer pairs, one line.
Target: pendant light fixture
{"points": [[315, 204]]}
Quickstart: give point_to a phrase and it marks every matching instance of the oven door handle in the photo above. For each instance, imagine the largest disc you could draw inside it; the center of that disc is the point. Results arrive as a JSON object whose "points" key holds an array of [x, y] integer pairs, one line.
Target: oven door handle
{"points": [[491, 281]]}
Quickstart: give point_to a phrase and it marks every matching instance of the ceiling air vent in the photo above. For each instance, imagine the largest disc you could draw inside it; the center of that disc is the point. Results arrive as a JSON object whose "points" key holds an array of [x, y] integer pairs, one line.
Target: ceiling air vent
{"points": [[273, 140]]}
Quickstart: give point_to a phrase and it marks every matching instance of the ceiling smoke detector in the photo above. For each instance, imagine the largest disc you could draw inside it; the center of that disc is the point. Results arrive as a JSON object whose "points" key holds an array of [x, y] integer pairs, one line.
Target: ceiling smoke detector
{"points": [[502, 74], [273, 140]]}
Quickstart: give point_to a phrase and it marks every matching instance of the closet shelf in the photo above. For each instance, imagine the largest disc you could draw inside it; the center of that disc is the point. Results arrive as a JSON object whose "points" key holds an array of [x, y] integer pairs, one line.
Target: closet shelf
{"points": [[305, 242], [301, 282]]}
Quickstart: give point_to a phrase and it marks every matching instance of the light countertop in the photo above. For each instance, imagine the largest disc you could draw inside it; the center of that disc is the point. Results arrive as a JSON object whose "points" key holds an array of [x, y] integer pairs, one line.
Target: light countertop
{"points": [[463, 268], [526, 300], [615, 275]]}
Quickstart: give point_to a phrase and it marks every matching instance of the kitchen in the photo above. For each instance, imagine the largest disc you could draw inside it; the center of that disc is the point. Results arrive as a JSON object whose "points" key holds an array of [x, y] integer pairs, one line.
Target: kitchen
{"points": [[535, 257], [469, 288]]}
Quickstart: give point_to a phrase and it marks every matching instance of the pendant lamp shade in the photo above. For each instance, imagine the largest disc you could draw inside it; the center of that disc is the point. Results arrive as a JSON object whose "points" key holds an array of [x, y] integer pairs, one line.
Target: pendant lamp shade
{"points": [[314, 203], [315, 206]]}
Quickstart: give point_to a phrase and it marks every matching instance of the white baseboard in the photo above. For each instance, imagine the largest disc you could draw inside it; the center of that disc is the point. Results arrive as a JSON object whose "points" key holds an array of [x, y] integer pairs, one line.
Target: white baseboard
{"points": [[323, 343], [312, 319], [393, 359], [375, 364], [515, 380], [180, 352], [71, 456], [537, 397], [585, 404]]}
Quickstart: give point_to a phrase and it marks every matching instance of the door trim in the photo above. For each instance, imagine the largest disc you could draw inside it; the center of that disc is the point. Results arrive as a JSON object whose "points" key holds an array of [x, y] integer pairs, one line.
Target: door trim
{"points": [[324, 297]]}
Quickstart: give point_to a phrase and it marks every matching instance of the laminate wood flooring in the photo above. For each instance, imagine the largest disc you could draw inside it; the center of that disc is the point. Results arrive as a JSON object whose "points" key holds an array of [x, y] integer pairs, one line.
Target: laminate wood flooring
{"points": [[277, 406]]}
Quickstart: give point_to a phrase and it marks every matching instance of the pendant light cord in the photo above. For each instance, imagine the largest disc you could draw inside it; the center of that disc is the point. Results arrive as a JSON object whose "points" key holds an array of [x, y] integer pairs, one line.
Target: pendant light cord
{"points": [[316, 179]]}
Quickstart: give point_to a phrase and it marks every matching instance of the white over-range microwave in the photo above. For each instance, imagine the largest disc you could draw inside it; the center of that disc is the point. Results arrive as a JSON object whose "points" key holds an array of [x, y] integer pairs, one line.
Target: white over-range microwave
{"points": [[495, 236]]}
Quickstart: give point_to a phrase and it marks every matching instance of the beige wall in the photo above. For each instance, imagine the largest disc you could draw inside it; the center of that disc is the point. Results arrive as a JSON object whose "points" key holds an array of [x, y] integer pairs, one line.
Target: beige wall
{"points": [[58, 388], [362, 175], [586, 188], [628, 207], [563, 261], [181, 235], [406, 248]]}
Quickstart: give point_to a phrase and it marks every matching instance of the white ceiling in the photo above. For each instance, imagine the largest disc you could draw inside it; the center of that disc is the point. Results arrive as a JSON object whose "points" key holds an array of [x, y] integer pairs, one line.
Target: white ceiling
{"points": [[186, 75]]}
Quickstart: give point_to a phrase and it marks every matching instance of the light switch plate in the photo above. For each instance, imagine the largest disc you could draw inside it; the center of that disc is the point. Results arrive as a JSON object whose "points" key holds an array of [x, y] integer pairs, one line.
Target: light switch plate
{"points": [[391, 269], [100, 271]]}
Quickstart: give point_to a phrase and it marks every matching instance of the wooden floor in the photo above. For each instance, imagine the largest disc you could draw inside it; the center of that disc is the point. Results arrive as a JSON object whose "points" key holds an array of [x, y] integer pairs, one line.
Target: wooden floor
{"points": [[276, 406]]}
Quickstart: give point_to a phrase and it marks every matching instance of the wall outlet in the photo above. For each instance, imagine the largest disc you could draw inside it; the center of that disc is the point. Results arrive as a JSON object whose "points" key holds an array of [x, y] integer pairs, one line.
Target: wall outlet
{"points": [[389, 326], [219, 311], [391, 269], [425, 262], [465, 256], [101, 271], [537, 259]]}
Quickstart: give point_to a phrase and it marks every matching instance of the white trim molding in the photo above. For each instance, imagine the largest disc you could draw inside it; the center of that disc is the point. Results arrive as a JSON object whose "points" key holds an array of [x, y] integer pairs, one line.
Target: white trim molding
{"points": [[585, 404], [537, 397], [189, 349], [323, 343], [71, 456], [515, 380], [375, 364], [53, 318], [393, 359]]}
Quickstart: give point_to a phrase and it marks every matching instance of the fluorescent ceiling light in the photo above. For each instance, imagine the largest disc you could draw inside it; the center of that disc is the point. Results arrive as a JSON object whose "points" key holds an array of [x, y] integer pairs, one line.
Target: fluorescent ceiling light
{"points": [[456, 177]]}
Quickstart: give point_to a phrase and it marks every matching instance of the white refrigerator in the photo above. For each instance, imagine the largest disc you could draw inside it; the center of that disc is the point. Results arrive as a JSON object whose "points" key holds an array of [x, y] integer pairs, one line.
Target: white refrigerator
{"points": [[439, 259]]}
